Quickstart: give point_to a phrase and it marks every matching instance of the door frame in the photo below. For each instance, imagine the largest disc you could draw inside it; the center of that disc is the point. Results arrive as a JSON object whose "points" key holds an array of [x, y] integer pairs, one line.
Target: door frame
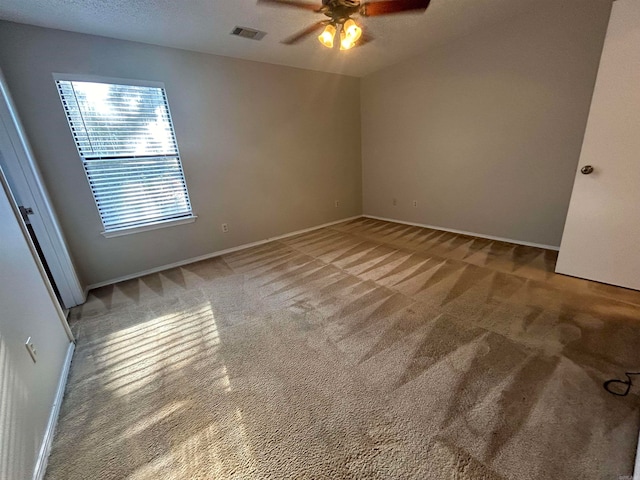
{"points": [[28, 188]]}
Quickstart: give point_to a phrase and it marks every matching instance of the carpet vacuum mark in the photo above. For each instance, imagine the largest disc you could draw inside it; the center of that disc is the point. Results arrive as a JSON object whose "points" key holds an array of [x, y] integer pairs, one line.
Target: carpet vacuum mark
{"points": [[367, 349]]}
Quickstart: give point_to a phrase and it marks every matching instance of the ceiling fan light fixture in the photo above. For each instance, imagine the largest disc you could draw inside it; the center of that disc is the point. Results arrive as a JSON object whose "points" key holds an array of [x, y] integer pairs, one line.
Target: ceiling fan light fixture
{"points": [[345, 41], [352, 30], [326, 37], [340, 12]]}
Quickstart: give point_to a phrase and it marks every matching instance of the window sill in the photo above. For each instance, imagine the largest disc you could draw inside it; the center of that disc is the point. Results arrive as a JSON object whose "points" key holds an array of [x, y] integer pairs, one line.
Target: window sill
{"points": [[153, 226]]}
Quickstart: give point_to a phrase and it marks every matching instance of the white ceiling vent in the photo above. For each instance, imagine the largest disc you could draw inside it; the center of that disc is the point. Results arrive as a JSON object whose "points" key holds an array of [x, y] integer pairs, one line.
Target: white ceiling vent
{"points": [[248, 33]]}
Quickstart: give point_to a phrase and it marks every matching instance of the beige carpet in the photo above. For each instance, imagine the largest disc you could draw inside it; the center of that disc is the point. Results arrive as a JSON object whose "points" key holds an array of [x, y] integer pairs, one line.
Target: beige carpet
{"points": [[363, 350]]}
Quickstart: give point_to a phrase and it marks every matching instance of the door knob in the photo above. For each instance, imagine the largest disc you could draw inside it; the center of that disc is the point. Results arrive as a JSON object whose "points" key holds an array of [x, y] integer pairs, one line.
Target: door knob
{"points": [[586, 170]]}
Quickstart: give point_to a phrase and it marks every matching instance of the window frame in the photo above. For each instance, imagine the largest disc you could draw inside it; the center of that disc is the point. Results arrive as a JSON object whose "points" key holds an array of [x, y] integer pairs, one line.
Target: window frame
{"points": [[153, 225]]}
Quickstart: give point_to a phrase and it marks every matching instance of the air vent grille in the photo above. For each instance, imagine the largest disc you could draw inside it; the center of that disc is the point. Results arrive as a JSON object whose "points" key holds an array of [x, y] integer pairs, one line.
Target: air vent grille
{"points": [[248, 33]]}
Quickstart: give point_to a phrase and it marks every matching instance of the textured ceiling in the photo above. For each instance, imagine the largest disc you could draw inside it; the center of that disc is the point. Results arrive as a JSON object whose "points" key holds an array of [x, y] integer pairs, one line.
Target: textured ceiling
{"points": [[204, 26]]}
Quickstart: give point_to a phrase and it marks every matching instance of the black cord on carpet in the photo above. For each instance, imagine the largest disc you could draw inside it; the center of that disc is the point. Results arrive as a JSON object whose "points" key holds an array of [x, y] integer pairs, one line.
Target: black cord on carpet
{"points": [[628, 384]]}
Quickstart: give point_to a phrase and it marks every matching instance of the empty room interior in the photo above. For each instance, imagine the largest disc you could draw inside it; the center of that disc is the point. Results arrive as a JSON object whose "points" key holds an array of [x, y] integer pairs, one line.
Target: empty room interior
{"points": [[381, 239]]}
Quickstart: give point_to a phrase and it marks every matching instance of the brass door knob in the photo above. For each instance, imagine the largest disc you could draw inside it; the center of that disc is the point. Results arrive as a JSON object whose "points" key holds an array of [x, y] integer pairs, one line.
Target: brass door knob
{"points": [[586, 170]]}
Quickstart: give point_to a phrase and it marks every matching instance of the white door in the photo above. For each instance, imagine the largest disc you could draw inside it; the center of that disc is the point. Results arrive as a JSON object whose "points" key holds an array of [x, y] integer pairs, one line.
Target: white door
{"points": [[601, 239], [30, 383]]}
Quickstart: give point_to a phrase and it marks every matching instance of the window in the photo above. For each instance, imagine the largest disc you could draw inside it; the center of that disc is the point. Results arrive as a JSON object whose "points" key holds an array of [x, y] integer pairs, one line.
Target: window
{"points": [[126, 141]]}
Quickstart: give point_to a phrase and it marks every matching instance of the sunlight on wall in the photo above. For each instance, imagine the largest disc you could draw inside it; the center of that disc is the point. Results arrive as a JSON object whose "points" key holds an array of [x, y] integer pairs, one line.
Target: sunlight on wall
{"points": [[13, 462]]}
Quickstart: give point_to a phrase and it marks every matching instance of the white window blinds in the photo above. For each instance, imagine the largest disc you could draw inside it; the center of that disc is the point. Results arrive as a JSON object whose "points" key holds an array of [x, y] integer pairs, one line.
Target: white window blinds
{"points": [[125, 138]]}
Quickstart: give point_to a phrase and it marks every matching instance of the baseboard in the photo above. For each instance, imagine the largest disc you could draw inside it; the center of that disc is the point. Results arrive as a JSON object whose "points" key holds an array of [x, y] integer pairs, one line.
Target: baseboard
{"points": [[212, 254], [45, 449], [462, 232]]}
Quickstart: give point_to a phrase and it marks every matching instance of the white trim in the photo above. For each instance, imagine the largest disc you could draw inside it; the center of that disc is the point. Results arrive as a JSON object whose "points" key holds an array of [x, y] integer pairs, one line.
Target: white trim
{"points": [[45, 448], [462, 232], [636, 469], [152, 226], [73, 77], [214, 254], [23, 171]]}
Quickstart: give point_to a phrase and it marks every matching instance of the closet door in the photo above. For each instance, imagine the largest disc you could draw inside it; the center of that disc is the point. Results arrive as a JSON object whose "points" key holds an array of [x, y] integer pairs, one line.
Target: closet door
{"points": [[29, 380], [601, 239]]}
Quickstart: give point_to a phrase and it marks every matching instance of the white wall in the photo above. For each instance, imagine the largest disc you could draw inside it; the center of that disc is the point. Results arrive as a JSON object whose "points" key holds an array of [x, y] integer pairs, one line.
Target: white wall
{"points": [[485, 132], [266, 149], [27, 389]]}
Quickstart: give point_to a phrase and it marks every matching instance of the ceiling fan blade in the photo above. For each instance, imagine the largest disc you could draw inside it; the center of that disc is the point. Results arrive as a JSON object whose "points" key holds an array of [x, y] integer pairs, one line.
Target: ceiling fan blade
{"points": [[294, 4], [304, 33], [387, 7]]}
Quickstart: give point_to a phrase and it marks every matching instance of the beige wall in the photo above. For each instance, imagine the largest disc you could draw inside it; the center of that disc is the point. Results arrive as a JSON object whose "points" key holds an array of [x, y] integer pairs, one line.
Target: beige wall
{"points": [[485, 132], [264, 147]]}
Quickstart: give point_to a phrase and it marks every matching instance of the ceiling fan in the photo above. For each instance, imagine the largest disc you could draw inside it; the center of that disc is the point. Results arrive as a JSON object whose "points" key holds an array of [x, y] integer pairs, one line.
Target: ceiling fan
{"points": [[340, 12]]}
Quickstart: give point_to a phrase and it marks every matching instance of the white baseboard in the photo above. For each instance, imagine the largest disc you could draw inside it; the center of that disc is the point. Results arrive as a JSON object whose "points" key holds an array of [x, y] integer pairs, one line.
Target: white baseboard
{"points": [[462, 232], [212, 254], [45, 449]]}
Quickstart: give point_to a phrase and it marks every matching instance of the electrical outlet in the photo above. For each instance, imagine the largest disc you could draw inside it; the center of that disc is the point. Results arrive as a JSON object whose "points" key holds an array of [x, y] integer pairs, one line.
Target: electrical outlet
{"points": [[225, 227], [31, 348], [415, 203], [394, 202], [337, 203]]}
